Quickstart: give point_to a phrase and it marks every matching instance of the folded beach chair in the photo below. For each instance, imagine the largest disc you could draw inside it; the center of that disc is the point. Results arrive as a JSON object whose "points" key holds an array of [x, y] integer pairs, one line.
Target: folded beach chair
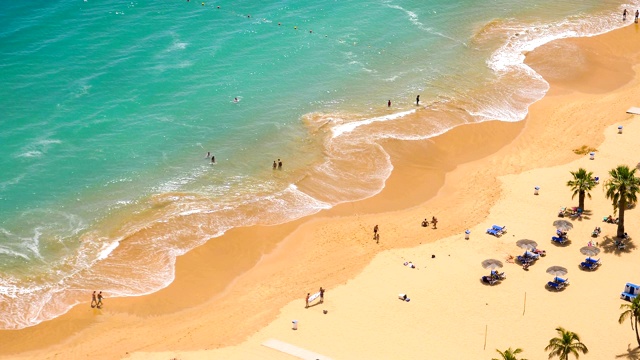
{"points": [[494, 232], [558, 240]]}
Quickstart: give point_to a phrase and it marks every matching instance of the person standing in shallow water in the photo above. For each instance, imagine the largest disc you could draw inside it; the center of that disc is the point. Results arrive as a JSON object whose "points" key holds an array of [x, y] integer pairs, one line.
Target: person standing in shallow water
{"points": [[274, 165], [418, 100], [279, 164], [637, 14], [389, 103], [624, 15]]}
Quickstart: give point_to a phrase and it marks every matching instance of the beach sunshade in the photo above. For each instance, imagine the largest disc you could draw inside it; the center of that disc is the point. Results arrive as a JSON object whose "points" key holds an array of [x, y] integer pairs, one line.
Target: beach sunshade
{"points": [[527, 244], [492, 264], [557, 271], [589, 250], [563, 225]]}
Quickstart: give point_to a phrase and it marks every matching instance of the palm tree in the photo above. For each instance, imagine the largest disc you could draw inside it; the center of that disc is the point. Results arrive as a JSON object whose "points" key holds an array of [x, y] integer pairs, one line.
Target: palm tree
{"points": [[567, 343], [509, 354], [633, 313], [581, 184], [622, 189]]}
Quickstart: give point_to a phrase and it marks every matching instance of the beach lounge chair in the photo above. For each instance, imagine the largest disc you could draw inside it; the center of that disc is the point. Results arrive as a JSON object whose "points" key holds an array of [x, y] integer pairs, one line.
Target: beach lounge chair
{"points": [[558, 240], [562, 212], [592, 260], [562, 281], [555, 286], [489, 280], [501, 229], [588, 265], [498, 276], [494, 232], [529, 254], [630, 292]]}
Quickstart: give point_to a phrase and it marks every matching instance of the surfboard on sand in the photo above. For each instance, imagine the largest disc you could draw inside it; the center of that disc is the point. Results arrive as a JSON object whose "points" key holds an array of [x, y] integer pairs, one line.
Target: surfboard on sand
{"points": [[313, 297]]}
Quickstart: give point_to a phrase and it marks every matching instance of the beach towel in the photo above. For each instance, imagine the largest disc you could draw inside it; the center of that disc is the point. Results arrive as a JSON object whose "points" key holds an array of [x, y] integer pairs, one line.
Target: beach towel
{"points": [[313, 297]]}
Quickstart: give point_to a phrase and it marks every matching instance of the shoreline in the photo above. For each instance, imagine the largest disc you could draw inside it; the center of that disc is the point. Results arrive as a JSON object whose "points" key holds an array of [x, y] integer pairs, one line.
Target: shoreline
{"points": [[299, 252]]}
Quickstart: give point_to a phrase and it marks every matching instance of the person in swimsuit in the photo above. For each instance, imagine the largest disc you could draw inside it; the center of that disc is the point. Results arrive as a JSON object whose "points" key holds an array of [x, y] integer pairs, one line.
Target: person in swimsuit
{"points": [[94, 302]]}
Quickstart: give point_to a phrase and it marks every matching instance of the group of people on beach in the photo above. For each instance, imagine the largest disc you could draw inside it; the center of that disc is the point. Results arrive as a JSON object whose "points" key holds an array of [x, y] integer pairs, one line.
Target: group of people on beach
{"points": [[308, 298], [625, 12], [434, 222], [417, 101], [96, 300]]}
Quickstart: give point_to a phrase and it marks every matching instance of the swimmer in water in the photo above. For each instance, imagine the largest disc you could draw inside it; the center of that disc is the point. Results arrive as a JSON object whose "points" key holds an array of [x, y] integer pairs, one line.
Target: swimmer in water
{"points": [[235, 100], [208, 154]]}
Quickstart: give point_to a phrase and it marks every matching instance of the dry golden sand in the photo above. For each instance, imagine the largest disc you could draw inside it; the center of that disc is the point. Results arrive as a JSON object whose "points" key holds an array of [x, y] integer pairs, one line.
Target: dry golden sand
{"points": [[244, 288]]}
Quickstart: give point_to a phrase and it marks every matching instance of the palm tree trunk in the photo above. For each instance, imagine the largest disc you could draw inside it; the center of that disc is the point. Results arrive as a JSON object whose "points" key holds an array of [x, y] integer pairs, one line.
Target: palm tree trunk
{"points": [[581, 196], [621, 208], [637, 335]]}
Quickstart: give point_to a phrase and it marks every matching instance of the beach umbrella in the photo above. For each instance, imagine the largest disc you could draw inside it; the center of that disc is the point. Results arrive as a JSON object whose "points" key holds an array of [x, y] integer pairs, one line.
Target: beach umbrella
{"points": [[589, 250], [557, 271], [563, 225], [492, 264], [527, 244]]}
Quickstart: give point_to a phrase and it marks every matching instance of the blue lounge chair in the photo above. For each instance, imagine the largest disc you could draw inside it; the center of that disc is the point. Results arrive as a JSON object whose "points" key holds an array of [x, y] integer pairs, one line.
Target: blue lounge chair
{"points": [[562, 281], [630, 292], [592, 260], [494, 232], [558, 240], [588, 266], [554, 285], [502, 229]]}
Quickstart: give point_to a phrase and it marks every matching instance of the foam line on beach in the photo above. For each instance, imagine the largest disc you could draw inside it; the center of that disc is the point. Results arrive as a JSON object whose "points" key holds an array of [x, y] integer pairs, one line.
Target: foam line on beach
{"points": [[349, 127]]}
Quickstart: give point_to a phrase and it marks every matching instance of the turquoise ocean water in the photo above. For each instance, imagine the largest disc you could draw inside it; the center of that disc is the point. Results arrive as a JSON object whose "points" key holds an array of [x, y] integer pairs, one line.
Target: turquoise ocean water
{"points": [[108, 109]]}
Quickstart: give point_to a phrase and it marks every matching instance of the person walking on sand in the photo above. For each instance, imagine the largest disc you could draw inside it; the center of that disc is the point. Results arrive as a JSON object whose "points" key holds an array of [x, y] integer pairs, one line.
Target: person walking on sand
{"points": [[99, 304], [434, 221], [418, 100], [94, 302], [306, 301], [375, 231], [624, 15], [637, 14], [321, 295], [389, 103]]}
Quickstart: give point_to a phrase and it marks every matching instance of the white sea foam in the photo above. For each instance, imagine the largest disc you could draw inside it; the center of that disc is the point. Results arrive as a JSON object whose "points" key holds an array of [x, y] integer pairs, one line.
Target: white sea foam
{"points": [[349, 127], [107, 249]]}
